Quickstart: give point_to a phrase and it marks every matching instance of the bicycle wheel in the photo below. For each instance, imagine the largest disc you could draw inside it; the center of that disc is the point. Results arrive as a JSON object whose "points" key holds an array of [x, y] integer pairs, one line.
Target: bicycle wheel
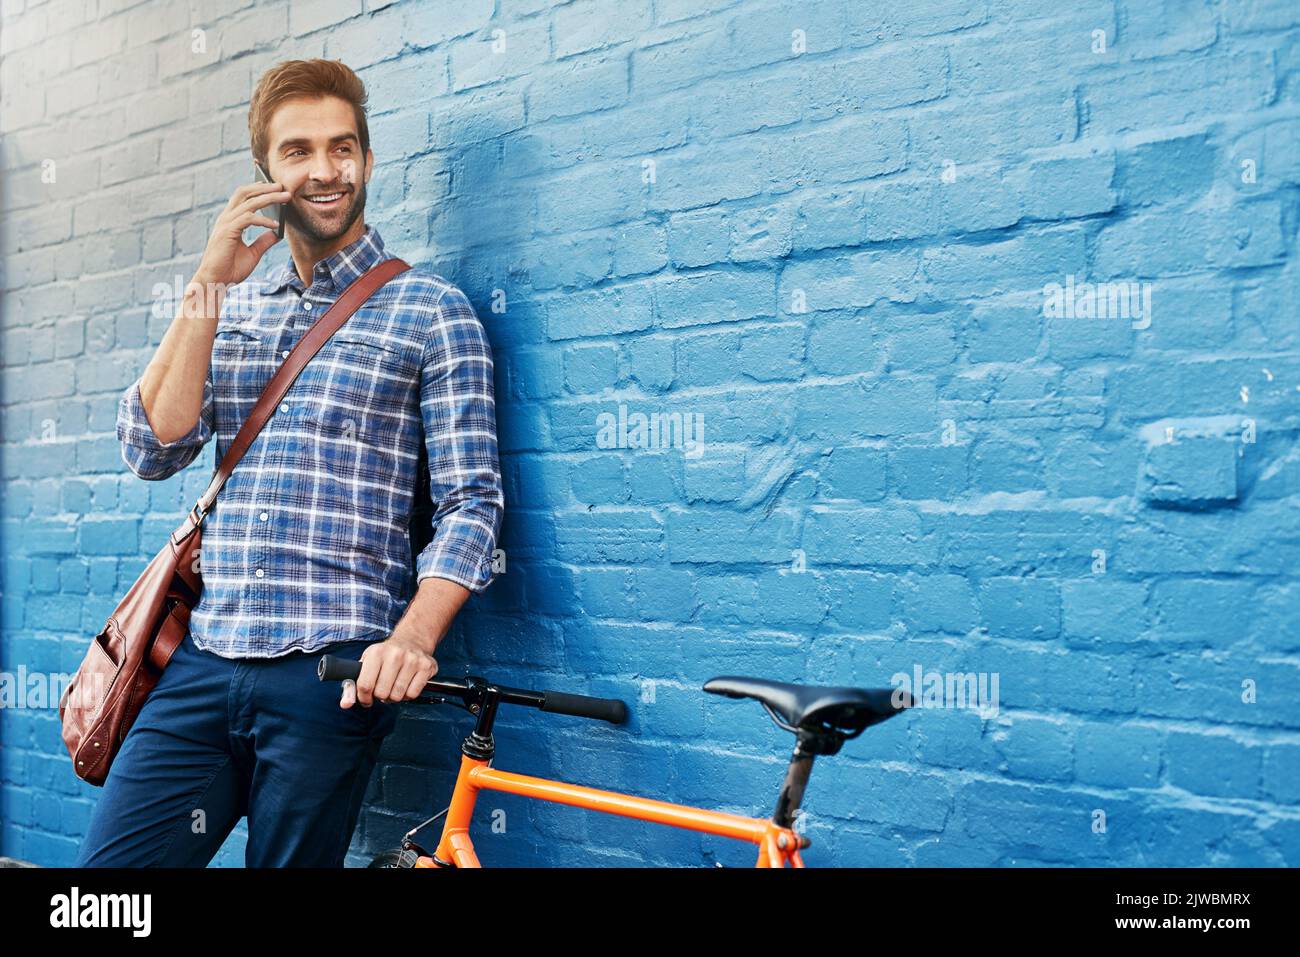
{"points": [[396, 857]]}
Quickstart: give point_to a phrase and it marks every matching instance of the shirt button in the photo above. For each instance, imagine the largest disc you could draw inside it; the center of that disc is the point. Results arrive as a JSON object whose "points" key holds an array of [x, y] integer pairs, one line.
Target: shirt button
{"points": [[285, 353], [263, 516], [306, 304], [284, 407], [259, 573]]}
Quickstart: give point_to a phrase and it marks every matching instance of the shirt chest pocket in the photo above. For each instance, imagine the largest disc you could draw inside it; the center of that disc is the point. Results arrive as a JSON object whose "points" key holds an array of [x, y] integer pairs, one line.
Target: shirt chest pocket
{"points": [[242, 364], [354, 388], [237, 341]]}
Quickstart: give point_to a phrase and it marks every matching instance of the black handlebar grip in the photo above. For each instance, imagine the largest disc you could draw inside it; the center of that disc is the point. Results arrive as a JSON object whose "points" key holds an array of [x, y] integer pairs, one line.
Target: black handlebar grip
{"points": [[580, 706], [330, 668]]}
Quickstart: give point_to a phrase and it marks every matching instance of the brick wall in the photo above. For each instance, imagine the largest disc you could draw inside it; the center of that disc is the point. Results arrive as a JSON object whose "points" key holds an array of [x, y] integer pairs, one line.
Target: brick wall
{"points": [[989, 315]]}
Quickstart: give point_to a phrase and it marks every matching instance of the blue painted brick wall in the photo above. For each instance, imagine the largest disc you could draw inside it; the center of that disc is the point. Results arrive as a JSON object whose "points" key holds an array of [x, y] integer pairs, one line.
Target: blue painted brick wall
{"points": [[832, 233]]}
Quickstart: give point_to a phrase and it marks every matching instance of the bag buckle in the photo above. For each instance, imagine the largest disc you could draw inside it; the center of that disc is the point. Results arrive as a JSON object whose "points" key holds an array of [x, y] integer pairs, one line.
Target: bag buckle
{"points": [[197, 513]]}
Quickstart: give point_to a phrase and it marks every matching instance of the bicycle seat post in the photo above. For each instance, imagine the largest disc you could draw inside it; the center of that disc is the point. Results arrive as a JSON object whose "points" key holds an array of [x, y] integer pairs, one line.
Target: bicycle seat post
{"points": [[808, 744]]}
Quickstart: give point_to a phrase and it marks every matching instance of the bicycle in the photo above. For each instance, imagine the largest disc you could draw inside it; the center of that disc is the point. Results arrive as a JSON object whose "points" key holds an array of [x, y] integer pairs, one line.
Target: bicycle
{"points": [[821, 718]]}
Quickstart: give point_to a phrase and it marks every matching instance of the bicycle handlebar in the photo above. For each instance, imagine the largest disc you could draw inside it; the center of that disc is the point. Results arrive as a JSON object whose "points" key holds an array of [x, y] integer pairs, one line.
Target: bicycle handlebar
{"points": [[581, 706], [330, 668]]}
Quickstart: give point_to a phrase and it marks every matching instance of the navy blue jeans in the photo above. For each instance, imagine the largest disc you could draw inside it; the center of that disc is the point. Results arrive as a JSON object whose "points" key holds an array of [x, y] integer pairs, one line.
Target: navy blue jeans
{"points": [[220, 738]]}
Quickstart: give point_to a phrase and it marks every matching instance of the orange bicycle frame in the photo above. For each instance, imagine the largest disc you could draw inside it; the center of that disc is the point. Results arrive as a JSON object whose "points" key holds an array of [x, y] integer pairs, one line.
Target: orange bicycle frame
{"points": [[777, 846]]}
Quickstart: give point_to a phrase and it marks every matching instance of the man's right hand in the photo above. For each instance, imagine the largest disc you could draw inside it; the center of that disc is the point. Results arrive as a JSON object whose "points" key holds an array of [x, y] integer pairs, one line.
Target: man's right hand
{"points": [[228, 259]]}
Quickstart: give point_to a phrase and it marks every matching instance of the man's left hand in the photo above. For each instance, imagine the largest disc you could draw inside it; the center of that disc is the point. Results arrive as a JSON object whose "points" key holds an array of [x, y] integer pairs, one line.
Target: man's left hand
{"points": [[393, 670]]}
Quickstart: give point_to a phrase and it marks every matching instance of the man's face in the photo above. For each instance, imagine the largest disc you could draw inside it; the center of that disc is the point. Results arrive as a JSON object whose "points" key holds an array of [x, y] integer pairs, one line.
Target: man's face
{"points": [[315, 154]]}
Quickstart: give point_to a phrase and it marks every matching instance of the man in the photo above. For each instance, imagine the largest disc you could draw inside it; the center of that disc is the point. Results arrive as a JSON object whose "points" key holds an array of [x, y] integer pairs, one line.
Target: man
{"points": [[306, 550]]}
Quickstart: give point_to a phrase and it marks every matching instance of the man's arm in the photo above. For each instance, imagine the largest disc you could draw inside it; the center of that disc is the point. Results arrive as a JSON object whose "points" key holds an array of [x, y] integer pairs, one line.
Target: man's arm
{"points": [[147, 455], [430, 613], [458, 408], [159, 435], [458, 404], [165, 417]]}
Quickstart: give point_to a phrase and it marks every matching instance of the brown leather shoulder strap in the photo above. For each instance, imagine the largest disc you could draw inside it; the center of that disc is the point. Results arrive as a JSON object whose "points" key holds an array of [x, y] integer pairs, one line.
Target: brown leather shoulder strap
{"points": [[348, 302]]}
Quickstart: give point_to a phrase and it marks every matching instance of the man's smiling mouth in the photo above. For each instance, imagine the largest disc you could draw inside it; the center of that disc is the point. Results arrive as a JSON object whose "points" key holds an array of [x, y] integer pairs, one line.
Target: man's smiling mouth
{"points": [[324, 199]]}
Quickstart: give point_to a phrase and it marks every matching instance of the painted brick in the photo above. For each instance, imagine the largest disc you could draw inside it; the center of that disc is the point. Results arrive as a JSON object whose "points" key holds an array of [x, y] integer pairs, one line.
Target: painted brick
{"points": [[1021, 607], [1214, 765], [1193, 472], [1124, 756], [1035, 749]]}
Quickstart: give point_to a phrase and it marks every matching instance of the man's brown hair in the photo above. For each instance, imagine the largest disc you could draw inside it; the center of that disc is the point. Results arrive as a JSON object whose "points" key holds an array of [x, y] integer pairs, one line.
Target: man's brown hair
{"points": [[309, 78]]}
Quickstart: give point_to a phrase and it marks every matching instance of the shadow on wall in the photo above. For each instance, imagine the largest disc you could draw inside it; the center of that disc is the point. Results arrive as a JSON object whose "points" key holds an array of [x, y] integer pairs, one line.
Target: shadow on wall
{"points": [[477, 229], [461, 216]]}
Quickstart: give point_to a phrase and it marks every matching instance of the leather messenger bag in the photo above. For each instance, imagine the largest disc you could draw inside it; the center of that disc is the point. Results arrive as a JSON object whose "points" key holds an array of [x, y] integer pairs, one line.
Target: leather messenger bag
{"points": [[126, 659]]}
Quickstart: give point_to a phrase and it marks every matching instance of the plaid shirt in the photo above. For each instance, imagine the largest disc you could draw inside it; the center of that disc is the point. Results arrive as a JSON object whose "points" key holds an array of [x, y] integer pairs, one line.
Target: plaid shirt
{"points": [[308, 544]]}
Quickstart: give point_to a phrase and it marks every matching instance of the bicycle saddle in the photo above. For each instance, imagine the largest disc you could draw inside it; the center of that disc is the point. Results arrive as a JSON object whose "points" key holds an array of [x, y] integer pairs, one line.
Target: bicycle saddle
{"points": [[813, 707]]}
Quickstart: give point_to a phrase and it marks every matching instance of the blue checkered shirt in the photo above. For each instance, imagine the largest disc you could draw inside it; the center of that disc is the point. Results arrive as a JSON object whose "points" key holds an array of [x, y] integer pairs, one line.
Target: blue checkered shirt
{"points": [[308, 544]]}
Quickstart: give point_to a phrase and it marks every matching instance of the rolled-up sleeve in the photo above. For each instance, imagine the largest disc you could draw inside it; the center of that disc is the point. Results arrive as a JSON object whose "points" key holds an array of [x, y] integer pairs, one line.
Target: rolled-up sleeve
{"points": [[458, 407], [143, 453]]}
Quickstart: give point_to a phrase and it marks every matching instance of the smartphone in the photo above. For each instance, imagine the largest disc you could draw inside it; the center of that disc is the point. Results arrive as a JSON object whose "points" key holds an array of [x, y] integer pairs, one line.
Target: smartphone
{"points": [[278, 208]]}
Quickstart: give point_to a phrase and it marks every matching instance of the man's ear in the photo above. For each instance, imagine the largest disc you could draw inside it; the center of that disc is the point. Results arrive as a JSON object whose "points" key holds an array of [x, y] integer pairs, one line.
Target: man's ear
{"points": [[370, 164]]}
